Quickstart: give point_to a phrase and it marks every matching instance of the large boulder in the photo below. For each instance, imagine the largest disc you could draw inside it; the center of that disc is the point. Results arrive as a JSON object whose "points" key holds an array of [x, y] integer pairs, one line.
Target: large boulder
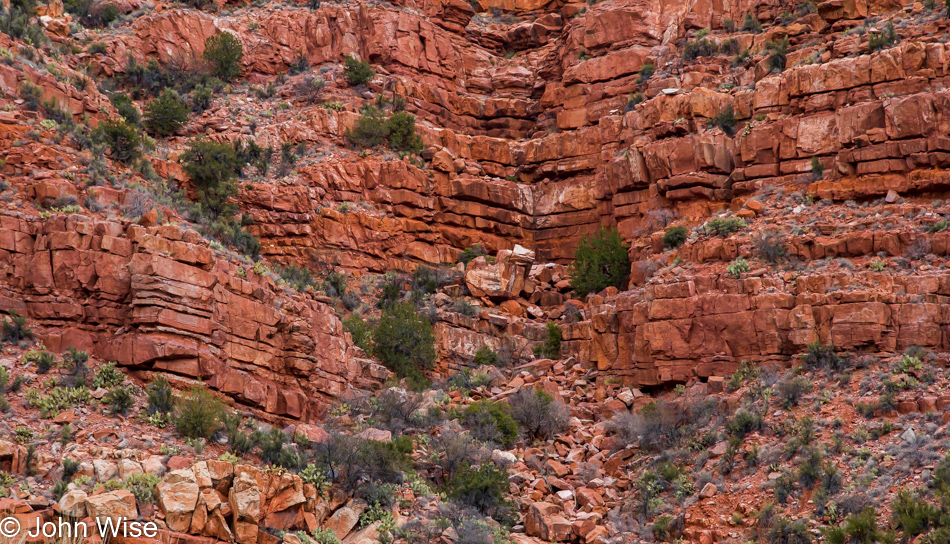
{"points": [[544, 520], [501, 278], [117, 505], [245, 502], [178, 497], [343, 520], [73, 504]]}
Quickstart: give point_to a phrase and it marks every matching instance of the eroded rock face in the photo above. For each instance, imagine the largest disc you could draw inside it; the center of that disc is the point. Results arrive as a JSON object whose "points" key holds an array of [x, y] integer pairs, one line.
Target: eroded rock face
{"points": [[705, 326], [159, 299]]}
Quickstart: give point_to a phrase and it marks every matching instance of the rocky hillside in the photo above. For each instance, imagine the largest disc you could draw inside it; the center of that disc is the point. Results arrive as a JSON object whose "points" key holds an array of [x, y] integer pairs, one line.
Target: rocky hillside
{"points": [[314, 271]]}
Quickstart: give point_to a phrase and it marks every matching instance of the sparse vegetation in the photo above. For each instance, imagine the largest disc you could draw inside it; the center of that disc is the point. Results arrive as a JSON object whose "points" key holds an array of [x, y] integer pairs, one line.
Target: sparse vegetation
{"points": [[223, 53], [600, 261], [357, 72], [538, 413], [403, 341], [725, 120], [675, 236], [198, 414], [166, 114], [738, 267], [550, 348]]}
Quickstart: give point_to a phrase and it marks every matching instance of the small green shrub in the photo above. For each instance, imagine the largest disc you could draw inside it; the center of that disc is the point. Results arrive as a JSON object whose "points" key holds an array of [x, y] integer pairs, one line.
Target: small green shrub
{"points": [[646, 72], [770, 246], [538, 413], [484, 488], [108, 376], [791, 390], [123, 140], [401, 128], [357, 72], [675, 236], [119, 400], [472, 253], [818, 357], [403, 341], [725, 119], [743, 423], [778, 54], [297, 277], [785, 531], [166, 114], [31, 94], [126, 108], [486, 356], [883, 40], [58, 399], [224, 53], [370, 129], [491, 421], [702, 47], [160, 396], [212, 167], [551, 347], [201, 98], [600, 261], [738, 267], [817, 169], [14, 329], [359, 330], [198, 413], [723, 226], [750, 23]]}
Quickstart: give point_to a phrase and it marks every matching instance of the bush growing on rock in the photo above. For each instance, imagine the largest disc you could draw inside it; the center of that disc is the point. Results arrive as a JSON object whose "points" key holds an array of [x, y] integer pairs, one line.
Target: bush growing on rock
{"points": [[199, 413], [201, 98], [725, 120], [538, 413], [310, 89], [357, 72], [120, 400], [401, 127], [551, 347], [484, 488], [471, 253], [370, 129], [126, 108], [297, 277], [123, 140], [224, 53], [657, 426], [14, 328], [675, 236], [212, 166], [359, 330], [770, 246], [600, 261], [791, 390], [723, 226], [778, 53], [491, 421], [16, 22], [166, 114], [403, 341], [486, 356], [738, 267], [108, 376]]}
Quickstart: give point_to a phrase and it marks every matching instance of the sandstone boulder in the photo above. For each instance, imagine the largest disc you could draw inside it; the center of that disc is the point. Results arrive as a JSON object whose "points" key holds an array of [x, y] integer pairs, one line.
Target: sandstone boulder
{"points": [[117, 505], [177, 497], [544, 521], [73, 503]]}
